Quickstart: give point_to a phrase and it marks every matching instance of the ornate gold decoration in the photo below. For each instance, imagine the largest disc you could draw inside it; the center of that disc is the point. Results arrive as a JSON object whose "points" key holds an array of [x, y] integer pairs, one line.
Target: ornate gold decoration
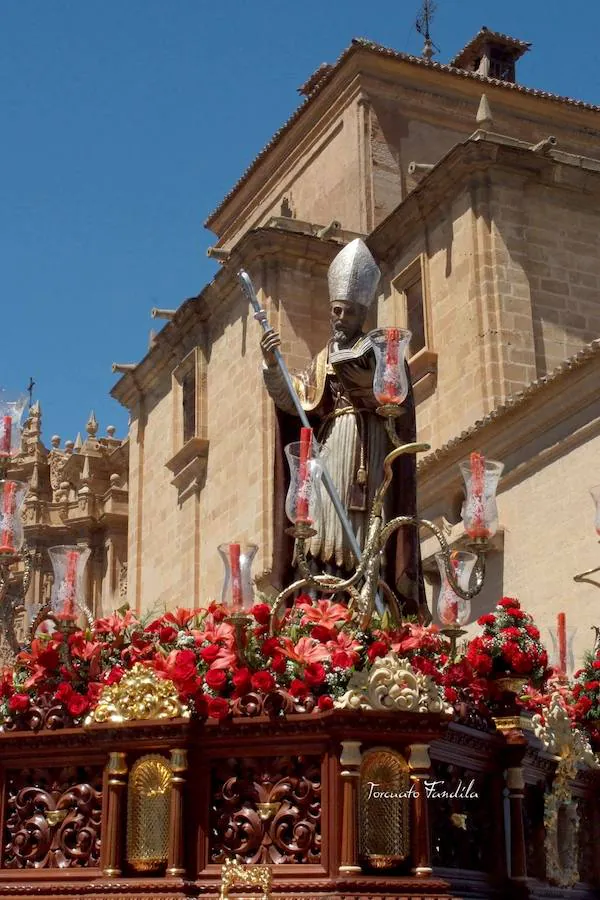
{"points": [[54, 816], [245, 876], [140, 694], [561, 820], [266, 811], [512, 684], [392, 684], [117, 763], [384, 808], [148, 801], [504, 724]]}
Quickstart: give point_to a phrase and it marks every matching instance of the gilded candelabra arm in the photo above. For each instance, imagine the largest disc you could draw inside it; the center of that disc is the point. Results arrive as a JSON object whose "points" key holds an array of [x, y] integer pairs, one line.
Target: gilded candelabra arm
{"points": [[388, 473], [584, 577], [313, 580], [326, 583], [28, 556], [478, 571]]}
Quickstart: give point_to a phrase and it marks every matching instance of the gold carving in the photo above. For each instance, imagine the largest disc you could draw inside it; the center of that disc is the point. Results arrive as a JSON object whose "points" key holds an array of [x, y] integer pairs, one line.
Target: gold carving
{"points": [[246, 876], [54, 816], [148, 801], [117, 764], [266, 811], [140, 694], [384, 808], [178, 760]]}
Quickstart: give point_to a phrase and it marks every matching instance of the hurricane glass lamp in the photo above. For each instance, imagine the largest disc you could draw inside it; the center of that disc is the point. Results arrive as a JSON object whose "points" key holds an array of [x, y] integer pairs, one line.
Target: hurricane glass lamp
{"points": [[10, 421], [238, 594], [12, 494], [595, 492], [68, 589], [390, 381], [303, 500], [452, 609], [562, 656], [480, 511]]}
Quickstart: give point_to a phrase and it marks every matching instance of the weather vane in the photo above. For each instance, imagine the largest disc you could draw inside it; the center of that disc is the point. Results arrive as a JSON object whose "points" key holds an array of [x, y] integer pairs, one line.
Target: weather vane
{"points": [[30, 388], [424, 20]]}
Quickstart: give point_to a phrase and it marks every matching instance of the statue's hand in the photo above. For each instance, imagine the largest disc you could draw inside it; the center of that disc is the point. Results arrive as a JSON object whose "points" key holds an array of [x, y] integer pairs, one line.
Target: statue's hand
{"points": [[269, 342]]}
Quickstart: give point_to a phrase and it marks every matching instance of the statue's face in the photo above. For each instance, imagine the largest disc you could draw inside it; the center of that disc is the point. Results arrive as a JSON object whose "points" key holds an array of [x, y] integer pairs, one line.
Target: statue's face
{"points": [[346, 320]]}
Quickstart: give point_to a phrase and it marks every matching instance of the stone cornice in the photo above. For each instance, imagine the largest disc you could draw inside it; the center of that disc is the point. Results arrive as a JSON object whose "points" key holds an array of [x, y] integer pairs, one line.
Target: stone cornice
{"points": [[255, 246], [539, 424]]}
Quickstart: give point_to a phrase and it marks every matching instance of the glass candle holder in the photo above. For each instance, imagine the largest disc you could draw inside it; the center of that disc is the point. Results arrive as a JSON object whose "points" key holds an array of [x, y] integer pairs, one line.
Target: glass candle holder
{"points": [[12, 494], [390, 382], [238, 593], [595, 492], [452, 609], [10, 421], [479, 511], [561, 657], [303, 500], [68, 564]]}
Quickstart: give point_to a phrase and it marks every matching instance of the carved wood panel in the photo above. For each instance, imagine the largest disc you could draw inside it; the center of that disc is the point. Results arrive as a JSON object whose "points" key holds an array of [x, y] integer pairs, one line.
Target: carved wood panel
{"points": [[266, 810], [52, 818], [461, 827], [533, 824]]}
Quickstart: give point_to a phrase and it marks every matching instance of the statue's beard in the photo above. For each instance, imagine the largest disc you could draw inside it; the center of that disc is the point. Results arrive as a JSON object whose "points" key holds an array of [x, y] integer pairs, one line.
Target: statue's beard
{"points": [[341, 338]]}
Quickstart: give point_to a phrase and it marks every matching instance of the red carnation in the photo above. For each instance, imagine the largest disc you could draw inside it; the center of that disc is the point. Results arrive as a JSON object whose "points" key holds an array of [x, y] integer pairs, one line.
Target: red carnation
{"points": [[19, 703], [215, 679], [451, 694], [377, 648], [488, 619], [77, 705], [596, 664], [341, 659], [583, 705], [515, 613], [218, 708], [314, 674], [298, 689], [482, 663], [508, 603], [511, 631], [210, 653], [533, 632], [263, 682], [262, 613], [270, 646], [591, 685], [324, 703]]}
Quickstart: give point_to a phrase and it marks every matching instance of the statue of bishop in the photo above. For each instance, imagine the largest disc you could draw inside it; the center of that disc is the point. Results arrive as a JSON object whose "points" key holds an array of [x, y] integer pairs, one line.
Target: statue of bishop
{"points": [[336, 390]]}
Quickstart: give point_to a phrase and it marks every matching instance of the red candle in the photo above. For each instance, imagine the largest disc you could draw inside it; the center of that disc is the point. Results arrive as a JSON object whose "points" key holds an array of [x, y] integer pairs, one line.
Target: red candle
{"points": [[304, 475], [236, 575], [68, 610], [5, 435], [9, 505], [478, 528], [561, 628], [390, 373]]}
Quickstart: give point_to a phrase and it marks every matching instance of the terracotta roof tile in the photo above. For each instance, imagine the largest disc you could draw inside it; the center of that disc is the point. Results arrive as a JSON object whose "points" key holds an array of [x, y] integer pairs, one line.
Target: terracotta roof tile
{"points": [[485, 36], [363, 44]]}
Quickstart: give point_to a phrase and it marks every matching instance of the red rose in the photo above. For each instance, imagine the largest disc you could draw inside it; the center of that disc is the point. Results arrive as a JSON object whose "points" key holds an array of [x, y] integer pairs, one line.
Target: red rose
{"points": [[596, 664], [167, 634], [263, 682], [77, 705], [185, 666], [320, 633], [278, 663], [377, 648], [93, 692], [210, 653], [451, 694], [19, 703], [583, 705], [215, 679], [63, 692], [241, 680], [298, 689], [314, 674], [270, 646], [218, 708], [341, 659], [201, 705], [324, 703], [262, 613]]}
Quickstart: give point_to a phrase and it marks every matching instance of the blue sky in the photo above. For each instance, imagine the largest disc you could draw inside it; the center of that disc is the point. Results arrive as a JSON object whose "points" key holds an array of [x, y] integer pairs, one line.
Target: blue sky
{"points": [[126, 121]]}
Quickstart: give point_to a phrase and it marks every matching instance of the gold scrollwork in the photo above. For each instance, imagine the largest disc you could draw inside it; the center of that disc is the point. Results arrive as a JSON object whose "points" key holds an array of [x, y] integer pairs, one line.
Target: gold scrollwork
{"points": [[234, 873], [140, 694]]}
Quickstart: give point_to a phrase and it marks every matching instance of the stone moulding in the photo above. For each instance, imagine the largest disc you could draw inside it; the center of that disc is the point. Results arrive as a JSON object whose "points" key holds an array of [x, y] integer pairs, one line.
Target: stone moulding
{"points": [[393, 685]]}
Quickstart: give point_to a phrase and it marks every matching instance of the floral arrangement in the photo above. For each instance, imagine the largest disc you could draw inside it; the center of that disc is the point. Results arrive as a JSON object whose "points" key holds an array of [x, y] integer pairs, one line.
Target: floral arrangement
{"points": [[312, 657], [586, 696], [510, 645]]}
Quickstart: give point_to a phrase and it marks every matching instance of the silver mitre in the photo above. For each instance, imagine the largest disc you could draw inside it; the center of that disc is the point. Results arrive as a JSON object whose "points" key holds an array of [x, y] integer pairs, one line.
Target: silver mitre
{"points": [[353, 275]]}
